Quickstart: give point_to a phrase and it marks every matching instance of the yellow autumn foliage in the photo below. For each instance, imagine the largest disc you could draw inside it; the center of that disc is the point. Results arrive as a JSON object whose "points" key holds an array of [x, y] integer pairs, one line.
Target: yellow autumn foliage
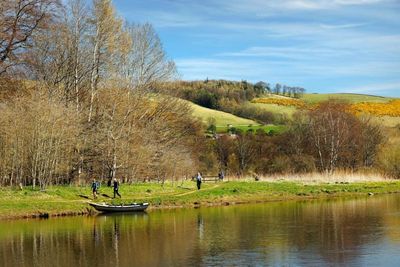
{"points": [[391, 108]]}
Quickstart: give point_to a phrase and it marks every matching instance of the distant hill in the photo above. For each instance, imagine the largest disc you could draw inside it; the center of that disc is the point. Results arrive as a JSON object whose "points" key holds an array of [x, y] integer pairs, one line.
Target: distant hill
{"points": [[383, 109], [351, 98], [229, 102]]}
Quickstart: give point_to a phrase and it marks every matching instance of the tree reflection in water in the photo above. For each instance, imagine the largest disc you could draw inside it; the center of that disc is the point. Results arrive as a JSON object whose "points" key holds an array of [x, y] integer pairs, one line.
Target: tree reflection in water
{"points": [[329, 232]]}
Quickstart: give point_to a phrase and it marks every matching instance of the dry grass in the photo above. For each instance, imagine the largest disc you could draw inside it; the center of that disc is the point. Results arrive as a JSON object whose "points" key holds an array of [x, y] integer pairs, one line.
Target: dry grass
{"points": [[337, 177], [387, 121], [276, 109]]}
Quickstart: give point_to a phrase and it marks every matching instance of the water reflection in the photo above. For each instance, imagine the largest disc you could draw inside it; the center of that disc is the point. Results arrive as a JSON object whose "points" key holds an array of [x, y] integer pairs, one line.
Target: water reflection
{"points": [[355, 232]]}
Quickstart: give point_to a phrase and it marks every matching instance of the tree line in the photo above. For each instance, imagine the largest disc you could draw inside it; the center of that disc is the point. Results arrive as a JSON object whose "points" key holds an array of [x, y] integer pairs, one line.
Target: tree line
{"points": [[285, 90], [325, 139], [76, 99]]}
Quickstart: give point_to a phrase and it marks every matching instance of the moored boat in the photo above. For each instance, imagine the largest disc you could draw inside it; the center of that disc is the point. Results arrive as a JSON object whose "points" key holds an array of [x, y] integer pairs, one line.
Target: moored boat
{"points": [[104, 207]]}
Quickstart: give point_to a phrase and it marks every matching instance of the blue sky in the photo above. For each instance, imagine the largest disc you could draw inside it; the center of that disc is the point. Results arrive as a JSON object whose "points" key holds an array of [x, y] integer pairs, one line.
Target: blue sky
{"points": [[322, 45]]}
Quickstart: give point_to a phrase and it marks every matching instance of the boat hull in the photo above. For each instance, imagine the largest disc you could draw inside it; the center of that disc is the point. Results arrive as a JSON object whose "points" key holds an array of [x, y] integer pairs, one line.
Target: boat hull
{"points": [[120, 208]]}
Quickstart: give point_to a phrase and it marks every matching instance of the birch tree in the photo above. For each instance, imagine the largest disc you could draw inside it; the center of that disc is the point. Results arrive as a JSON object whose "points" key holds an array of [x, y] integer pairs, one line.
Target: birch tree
{"points": [[147, 61], [19, 21], [106, 28]]}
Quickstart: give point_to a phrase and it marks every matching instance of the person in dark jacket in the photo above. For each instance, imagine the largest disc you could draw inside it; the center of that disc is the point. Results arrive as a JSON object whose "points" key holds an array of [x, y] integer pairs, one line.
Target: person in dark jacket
{"points": [[221, 175], [116, 187], [95, 187], [198, 180]]}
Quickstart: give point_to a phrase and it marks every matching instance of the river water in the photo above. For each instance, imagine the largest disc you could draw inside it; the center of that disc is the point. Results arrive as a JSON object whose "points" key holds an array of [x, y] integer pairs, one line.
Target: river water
{"points": [[350, 232]]}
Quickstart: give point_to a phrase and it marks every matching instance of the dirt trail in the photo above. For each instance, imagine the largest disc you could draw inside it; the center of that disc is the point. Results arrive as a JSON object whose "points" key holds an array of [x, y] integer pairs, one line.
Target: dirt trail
{"points": [[194, 191]]}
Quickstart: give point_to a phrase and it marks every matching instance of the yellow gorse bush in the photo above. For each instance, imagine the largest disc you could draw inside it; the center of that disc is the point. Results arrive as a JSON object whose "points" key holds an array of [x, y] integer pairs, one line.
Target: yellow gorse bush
{"points": [[280, 101], [391, 108]]}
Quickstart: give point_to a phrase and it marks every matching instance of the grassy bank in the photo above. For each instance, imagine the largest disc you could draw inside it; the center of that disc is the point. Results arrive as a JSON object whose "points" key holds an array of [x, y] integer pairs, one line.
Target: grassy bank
{"points": [[69, 200]]}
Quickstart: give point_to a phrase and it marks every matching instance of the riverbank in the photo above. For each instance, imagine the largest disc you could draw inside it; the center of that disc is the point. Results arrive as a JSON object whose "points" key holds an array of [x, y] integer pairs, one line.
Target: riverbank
{"points": [[72, 200]]}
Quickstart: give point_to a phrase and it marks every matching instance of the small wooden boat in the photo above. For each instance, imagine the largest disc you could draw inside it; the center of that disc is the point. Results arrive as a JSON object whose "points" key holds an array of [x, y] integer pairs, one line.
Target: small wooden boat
{"points": [[104, 207]]}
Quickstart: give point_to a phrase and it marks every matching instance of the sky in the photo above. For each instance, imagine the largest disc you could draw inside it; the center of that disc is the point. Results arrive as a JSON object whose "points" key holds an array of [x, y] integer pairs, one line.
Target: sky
{"points": [[325, 46]]}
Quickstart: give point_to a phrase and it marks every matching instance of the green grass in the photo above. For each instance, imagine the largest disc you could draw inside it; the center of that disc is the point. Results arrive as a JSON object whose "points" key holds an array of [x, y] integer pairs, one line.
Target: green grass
{"points": [[221, 118], [60, 200], [244, 128], [351, 98], [276, 109]]}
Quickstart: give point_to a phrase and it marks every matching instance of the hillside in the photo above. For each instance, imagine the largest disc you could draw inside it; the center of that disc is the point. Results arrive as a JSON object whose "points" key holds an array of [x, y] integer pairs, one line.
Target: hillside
{"points": [[276, 109], [221, 118], [287, 106], [361, 103]]}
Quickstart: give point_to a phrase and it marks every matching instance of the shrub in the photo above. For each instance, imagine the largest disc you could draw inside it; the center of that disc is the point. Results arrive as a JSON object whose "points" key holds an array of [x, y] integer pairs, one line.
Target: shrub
{"points": [[391, 108], [389, 161]]}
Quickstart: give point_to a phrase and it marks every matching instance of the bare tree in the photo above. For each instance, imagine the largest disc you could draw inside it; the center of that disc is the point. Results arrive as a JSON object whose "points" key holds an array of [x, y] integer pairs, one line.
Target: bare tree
{"points": [[147, 61], [38, 137], [245, 151], [19, 20], [106, 28], [79, 56], [223, 149]]}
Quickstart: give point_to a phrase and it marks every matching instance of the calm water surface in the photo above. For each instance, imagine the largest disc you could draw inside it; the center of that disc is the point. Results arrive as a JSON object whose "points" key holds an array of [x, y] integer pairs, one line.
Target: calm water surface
{"points": [[345, 232]]}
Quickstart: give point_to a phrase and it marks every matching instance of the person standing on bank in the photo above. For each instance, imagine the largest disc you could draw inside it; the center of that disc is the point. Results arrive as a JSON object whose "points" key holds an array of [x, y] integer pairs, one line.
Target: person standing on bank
{"points": [[221, 175], [116, 187], [198, 180], [95, 188]]}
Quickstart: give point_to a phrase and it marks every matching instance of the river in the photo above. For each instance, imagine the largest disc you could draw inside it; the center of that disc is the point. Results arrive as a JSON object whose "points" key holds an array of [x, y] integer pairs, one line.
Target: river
{"points": [[351, 232]]}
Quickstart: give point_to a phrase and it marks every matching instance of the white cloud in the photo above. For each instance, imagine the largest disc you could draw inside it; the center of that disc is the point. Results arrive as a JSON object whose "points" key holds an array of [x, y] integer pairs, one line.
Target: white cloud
{"points": [[266, 6], [357, 2], [389, 88], [310, 43], [200, 68], [342, 26], [291, 52]]}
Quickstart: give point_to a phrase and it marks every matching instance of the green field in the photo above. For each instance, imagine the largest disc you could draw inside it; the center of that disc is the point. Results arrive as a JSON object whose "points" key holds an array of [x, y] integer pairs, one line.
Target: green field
{"points": [[244, 128], [351, 98], [71, 200], [221, 118]]}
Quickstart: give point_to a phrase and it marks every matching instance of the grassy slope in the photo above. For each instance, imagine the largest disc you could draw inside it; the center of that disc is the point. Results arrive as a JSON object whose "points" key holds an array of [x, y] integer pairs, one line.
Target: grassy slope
{"points": [[288, 111], [66, 200], [222, 118]]}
